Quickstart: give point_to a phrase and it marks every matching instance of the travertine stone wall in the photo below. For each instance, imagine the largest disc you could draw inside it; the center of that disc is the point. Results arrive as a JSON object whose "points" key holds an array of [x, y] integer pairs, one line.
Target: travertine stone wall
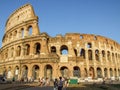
{"points": [[27, 53]]}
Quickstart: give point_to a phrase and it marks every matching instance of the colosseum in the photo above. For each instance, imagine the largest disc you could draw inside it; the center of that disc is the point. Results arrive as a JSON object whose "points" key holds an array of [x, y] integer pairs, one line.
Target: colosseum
{"points": [[26, 52]]}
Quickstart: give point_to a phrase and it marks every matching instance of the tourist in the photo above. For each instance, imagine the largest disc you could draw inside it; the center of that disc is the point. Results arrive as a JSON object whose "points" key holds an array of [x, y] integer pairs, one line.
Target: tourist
{"points": [[56, 84], [60, 84]]}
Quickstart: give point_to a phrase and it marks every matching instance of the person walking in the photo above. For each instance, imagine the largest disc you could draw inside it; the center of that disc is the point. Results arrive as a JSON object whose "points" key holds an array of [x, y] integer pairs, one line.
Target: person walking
{"points": [[56, 84], [60, 84]]}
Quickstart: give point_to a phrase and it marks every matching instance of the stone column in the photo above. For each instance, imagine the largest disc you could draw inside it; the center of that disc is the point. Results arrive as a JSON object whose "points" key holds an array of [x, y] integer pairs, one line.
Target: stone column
{"points": [[25, 31], [29, 72], [44, 47], [35, 28]]}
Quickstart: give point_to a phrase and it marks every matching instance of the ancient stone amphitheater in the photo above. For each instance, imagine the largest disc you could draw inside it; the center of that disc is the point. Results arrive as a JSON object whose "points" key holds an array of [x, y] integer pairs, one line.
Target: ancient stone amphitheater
{"points": [[26, 52]]}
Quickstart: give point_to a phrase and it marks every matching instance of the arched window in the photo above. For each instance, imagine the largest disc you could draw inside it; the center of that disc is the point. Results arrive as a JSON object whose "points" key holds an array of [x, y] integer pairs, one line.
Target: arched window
{"points": [[30, 30], [82, 53], [111, 72], [27, 49], [89, 45], [53, 49], [96, 54], [113, 58], [64, 71], [99, 73], [64, 50], [108, 55], [12, 51], [18, 50], [90, 54], [105, 72], [37, 48], [76, 72], [22, 32], [75, 52]]}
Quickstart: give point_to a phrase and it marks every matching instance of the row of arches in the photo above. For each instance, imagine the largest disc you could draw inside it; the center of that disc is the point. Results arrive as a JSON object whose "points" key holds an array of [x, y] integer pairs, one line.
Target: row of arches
{"points": [[64, 71], [24, 31]]}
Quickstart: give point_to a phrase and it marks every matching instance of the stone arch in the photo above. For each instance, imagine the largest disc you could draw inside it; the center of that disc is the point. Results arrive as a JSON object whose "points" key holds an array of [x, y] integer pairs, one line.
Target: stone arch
{"points": [[64, 71], [22, 32], [99, 72], [90, 54], [103, 54], [37, 48], [30, 29], [75, 51], [97, 55], [35, 72], [111, 72], [9, 73], [27, 49], [113, 58], [119, 72], [108, 55], [18, 50], [89, 45], [91, 72], [16, 73], [76, 71], [53, 49], [25, 72], [115, 72], [82, 53], [48, 71], [105, 72], [12, 52], [64, 50]]}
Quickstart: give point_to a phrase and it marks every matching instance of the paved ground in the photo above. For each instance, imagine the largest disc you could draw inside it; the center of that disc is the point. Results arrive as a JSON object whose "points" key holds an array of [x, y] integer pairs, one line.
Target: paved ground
{"points": [[40, 88]]}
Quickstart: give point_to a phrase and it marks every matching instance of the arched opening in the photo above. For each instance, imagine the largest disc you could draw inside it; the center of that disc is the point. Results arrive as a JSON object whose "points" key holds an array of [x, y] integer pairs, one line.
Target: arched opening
{"points": [[103, 54], [64, 50], [53, 49], [9, 74], [18, 50], [22, 32], [24, 73], [91, 72], [76, 72], [12, 51], [82, 53], [64, 71], [89, 45], [105, 72], [30, 30], [119, 72], [90, 54], [16, 73], [37, 48], [113, 58], [97, 55], [108, 55], [35, 72], [75, 51], [99, 73], [115, 72], [111, 72], [48, 71], [27, 49]]}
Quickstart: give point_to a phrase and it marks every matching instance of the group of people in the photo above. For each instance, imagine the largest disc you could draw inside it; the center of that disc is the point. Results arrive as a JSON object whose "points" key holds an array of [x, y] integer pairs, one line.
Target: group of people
{"points": [[58, 84], [44, 82]]}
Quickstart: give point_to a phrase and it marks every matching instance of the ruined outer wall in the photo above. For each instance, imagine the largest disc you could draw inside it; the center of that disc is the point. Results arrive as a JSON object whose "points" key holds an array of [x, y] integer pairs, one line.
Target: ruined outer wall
{"points": [[22, 49]]}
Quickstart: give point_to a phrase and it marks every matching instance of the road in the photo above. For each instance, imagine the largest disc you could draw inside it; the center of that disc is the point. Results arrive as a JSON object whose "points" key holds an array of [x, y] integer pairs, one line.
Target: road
{"points": [[40, 88]]}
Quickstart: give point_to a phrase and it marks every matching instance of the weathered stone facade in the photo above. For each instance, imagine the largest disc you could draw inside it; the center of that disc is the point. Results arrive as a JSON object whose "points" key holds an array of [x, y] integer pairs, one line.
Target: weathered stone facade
{"points": [[26, 52]]}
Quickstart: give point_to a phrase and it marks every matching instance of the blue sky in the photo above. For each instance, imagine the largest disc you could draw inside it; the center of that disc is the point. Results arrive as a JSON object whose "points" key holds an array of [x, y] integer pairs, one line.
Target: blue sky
{"points": [[99, 17]]}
